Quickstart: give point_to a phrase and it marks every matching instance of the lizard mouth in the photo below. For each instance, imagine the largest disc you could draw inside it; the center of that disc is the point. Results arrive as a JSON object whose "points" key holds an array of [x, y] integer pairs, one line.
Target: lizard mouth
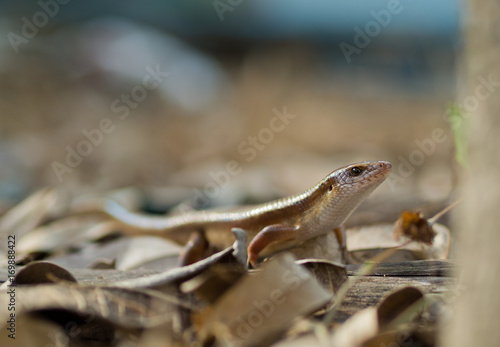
{"points": [[379, 172], [385, 167]]}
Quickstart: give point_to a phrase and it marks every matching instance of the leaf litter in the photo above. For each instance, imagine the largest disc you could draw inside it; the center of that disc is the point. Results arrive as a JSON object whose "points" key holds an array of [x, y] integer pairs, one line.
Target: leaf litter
{"points": [[94, 285]]}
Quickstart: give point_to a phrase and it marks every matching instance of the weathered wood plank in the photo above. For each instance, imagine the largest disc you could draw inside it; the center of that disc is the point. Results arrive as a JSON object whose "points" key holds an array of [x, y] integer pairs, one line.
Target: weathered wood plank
{"points": [[433, 268], [369, 290], [93, 276]]}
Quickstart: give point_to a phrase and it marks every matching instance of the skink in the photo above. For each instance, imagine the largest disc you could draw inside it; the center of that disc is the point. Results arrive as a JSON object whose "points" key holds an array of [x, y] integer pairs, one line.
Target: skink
{"points": [[271, 226]]}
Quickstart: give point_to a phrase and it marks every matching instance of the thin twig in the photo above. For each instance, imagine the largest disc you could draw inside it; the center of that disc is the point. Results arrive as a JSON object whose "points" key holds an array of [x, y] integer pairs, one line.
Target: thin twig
{"points": [[438, 215], [365, 270]]}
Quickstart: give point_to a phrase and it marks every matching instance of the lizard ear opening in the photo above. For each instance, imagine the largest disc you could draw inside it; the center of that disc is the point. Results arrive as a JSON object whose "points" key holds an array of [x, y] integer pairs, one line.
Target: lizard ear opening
{"points": [[330, 188]]}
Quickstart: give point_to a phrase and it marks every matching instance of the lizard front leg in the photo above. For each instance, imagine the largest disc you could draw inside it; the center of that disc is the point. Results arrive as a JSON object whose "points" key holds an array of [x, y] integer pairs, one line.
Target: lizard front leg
{"points": [[341, 238], [194, 250], [270, 234]]}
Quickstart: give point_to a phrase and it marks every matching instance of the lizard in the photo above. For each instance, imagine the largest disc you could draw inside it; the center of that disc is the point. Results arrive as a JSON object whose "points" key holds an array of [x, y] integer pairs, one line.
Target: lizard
{"points": [[270, 226]]}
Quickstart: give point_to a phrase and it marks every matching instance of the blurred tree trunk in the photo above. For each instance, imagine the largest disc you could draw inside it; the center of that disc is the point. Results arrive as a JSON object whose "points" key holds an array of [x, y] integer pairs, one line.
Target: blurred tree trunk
{"points": [[476, 320]]}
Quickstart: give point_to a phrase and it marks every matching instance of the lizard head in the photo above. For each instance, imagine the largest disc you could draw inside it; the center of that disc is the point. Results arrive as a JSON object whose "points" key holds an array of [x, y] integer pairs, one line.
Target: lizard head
{"points": [[345, 188]]}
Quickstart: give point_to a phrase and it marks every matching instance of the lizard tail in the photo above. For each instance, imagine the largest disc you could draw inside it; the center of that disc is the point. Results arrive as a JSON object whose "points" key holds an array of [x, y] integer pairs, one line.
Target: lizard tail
{"points": [[132, 223]]}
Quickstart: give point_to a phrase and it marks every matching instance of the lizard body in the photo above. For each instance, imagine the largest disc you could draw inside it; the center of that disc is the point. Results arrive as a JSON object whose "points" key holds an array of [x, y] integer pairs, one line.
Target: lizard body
{"points": [[270, 226]]}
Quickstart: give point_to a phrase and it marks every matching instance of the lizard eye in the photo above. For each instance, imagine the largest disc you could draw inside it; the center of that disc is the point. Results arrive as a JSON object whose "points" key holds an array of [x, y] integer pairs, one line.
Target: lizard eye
{"points": [[356, 171]]}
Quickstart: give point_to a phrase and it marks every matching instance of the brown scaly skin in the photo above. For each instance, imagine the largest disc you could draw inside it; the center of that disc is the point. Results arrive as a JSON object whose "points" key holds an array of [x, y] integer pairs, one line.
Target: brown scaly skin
{"points": [[270, 226]]}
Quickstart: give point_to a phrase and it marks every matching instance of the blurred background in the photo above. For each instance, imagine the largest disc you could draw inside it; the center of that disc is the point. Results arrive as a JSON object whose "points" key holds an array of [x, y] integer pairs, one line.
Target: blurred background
{"points": [[262, 98]]}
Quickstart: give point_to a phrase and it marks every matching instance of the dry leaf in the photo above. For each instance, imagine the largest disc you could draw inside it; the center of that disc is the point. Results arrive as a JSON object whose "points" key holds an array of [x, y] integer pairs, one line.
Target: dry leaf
{"points": [[34, 331], [101, 277], [63, 234], [160, 336], [171, 277], [129, 253], [368, 323], [28, 214], [122, 307], [396, 303], [357, 329], [413, 225], [329, 274], [261, 306], [214, 282], [365, 242], [103, 264], [41, 272]]}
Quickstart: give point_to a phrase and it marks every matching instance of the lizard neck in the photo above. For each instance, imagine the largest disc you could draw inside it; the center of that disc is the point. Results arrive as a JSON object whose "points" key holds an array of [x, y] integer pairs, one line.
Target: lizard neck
{"points": [[299, 207]]}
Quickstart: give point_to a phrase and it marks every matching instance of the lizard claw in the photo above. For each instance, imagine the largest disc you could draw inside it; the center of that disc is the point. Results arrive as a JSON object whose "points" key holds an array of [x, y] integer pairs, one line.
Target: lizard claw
{"points": [[253, 258]]}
